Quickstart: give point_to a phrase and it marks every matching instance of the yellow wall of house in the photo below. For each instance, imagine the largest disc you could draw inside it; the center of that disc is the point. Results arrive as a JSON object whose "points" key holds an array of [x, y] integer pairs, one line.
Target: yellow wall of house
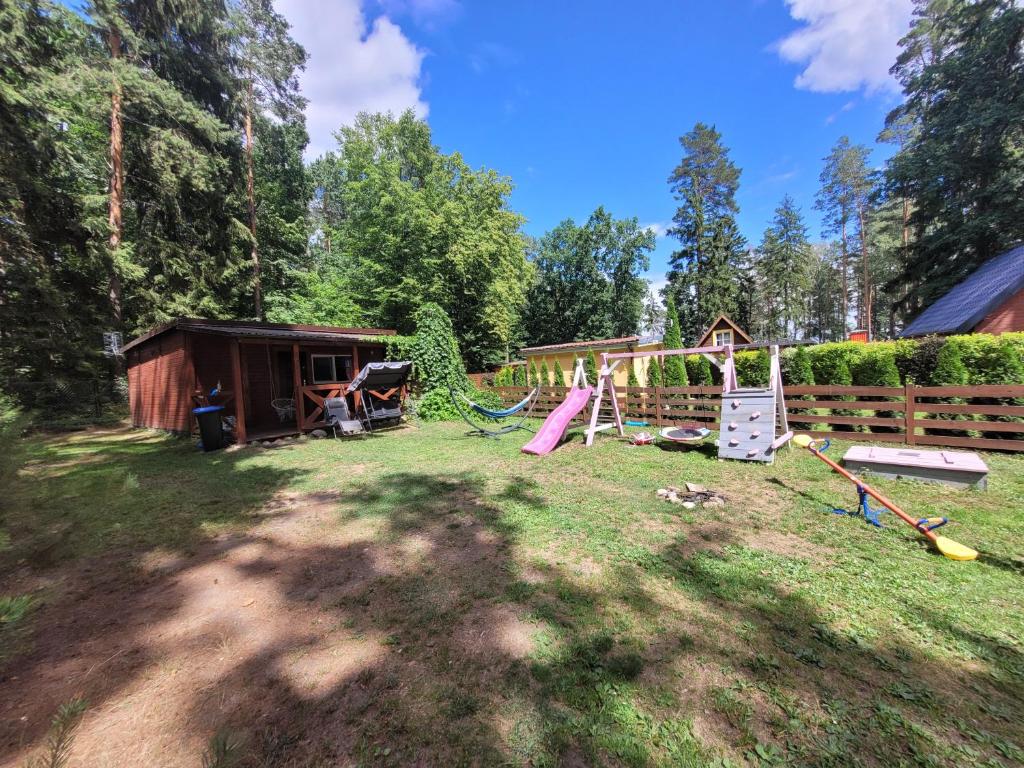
{"points": [[567, 360]]}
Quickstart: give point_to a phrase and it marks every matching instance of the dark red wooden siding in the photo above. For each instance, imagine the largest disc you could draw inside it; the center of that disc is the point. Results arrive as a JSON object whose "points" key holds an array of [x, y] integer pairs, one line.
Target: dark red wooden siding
{"points": [[158, 387]]}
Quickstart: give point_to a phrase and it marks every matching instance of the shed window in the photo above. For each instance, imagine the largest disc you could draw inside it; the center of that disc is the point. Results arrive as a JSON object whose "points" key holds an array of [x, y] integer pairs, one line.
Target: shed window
{"points": [[331, 368], [723, 337]]}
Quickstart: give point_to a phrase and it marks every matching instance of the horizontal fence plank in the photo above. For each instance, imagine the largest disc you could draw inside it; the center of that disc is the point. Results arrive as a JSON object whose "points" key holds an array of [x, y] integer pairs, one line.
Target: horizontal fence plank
{"points": [[980, 443], [881, 437], [834, 391], [850, 421], [976, 390], [850, 405], [979, 426], [979, 409]]}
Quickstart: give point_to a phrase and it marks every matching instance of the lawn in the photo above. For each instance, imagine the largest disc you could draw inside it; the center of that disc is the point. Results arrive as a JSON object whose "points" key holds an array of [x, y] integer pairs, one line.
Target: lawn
{"points": [[426, 598]]}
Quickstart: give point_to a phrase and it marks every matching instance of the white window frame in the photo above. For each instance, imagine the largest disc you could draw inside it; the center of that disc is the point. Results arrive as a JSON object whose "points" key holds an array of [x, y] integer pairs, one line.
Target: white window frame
{"points": [[723, 331], [334, 367]]}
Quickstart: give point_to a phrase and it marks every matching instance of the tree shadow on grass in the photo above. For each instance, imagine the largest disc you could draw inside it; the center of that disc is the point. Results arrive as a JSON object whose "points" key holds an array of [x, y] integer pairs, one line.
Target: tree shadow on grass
{"points": [[102, 525]]}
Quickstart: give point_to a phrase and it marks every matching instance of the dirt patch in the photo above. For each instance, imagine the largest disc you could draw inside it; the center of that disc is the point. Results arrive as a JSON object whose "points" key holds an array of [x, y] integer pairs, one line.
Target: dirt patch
{"points": [[785, 544]]}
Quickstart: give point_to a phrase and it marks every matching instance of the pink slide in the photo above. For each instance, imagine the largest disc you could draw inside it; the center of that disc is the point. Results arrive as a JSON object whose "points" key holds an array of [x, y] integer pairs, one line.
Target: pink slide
{"points": [[550, 433]]}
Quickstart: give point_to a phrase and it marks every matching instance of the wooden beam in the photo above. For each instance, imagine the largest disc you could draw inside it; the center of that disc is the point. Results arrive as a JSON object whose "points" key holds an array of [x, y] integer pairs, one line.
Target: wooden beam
{"points": [[300, 414], [236, 370]]}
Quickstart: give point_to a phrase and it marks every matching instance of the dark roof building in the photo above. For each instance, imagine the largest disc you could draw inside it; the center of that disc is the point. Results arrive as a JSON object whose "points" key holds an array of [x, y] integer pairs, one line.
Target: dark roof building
{"points": [[989, 300]]}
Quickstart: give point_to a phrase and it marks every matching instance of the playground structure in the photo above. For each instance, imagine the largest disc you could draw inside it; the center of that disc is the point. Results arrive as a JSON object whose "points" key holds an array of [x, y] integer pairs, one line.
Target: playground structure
{"points": [[752, 421], [925, 526], [557, 423]]}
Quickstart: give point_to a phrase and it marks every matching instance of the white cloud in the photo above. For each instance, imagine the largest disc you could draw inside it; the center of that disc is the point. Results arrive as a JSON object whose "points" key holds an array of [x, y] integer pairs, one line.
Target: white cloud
{"points": [[354, 66], [658, 228], [655, 285], [846, 45]]}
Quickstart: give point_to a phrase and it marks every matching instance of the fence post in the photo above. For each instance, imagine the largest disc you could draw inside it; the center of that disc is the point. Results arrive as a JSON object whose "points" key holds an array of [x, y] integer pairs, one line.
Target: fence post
{"points": [[908, 414], [657, 406]]}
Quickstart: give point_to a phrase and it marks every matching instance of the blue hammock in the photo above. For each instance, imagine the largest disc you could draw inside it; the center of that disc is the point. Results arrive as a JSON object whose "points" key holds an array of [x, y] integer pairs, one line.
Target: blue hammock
{"points": [[495, 415], [500, 414]]}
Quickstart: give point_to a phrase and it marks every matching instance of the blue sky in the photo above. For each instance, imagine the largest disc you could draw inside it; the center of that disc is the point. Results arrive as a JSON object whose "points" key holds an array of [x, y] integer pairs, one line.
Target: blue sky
{"points": [[582, 103]]}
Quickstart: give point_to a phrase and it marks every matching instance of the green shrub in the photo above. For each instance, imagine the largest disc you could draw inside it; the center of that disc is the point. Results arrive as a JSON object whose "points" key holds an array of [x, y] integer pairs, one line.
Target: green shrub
{"points": [[922, 364], [534, 376], [949, 369], [698, 370], [631, 379], [559, 374], [519, 376], [830, 363], [876, 367], [753, 369], [673, 367], [395, 347], [796, 367], [436, 404], [545, 375]]}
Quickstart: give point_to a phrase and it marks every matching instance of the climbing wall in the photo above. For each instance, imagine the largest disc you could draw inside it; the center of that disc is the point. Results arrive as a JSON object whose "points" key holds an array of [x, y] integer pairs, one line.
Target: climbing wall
{"points": [[747, 427]]}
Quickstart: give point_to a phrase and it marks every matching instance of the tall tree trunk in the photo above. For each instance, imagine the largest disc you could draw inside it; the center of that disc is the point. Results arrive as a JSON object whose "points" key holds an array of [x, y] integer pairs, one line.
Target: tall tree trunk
{"points": [[865, 271], [116, 198], [845, 298], [250, 190]]}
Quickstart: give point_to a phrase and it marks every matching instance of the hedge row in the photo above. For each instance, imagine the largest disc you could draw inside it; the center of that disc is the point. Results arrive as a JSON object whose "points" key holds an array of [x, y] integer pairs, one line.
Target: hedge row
{"points": [[931, 362]]}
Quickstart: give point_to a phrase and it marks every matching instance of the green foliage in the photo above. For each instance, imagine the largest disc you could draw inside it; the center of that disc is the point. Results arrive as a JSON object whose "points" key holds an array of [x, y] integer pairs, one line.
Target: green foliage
{"points": [[435, 405], [437, 363], [753, 369], [796, 367], [545, 375], [957, 64], [316, 299], [534, 376], [655, 377], [875, 366], [519, 376], [588, 280], [590, 367], [61, 736], [396, 347], [674, 366], [782, 270], [504, 377], [949, 370], [631, 379], [414, 225], [830, 363], [559, 374], [698, 370], [990, 359]]}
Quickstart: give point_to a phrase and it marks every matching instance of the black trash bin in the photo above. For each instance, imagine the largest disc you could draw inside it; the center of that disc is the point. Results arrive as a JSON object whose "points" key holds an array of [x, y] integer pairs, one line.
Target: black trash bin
{"points": [[210, 433]]}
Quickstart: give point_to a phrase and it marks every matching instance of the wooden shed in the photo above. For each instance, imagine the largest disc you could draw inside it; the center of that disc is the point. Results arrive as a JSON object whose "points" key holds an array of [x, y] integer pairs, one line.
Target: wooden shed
{"points": [[256, 366]]}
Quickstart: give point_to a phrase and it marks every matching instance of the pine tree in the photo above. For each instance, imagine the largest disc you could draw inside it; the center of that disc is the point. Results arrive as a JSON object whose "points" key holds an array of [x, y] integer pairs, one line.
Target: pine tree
{"points": [[654, 375], [534, 376], [590, 367], [961, 165], [675, 368], [267, 61], [701, 277], [631, 379], [545, 376], [784, 262], [844, 199], [559, 374]]}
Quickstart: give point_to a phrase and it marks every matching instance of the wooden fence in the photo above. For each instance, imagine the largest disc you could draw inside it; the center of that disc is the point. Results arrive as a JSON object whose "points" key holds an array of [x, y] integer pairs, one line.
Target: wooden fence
{"points": [[985, 417]]}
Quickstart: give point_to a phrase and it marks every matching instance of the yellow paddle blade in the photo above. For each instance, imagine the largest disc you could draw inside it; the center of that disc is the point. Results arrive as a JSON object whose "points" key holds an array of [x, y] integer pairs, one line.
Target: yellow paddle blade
{"points": [[953, 550], [802, 440]]}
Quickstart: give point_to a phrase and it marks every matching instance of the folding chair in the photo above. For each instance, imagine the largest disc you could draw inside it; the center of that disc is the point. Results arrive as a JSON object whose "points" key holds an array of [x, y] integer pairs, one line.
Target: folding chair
{"points": [[339, 419]]}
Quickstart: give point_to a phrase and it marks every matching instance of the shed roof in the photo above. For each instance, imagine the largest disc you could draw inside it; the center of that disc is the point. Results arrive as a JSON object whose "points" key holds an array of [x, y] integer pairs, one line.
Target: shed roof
{"points": [[728, 321], [257, 330], [971, 300]]}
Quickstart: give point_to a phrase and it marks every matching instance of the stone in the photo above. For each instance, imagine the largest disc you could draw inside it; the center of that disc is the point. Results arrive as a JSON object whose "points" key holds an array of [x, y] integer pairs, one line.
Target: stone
{"points": [[714, 501], [663, 492], [318, 434], [694, 488], [689, 504], [266, 443]]}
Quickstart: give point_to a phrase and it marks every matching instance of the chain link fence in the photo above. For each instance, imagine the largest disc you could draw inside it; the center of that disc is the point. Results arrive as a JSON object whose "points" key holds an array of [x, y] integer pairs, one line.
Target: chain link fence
{"points": [[70, 402]]}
